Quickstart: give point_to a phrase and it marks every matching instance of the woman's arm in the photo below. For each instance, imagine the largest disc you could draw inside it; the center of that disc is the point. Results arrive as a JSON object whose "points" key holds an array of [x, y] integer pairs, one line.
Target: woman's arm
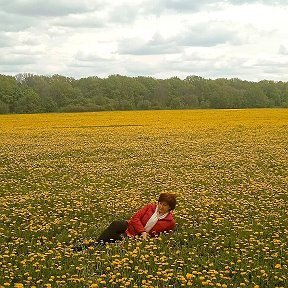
{"points": [[163, 226], [135, 220]]}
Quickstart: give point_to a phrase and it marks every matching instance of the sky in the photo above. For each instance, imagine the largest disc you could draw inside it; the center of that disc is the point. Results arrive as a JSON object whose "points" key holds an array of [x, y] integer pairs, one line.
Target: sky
{"points": [[158, 38]]}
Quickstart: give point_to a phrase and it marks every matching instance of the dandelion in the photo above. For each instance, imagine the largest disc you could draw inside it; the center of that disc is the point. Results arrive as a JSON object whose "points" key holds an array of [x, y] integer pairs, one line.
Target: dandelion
{"points": [[66, 175], [189, 275]]}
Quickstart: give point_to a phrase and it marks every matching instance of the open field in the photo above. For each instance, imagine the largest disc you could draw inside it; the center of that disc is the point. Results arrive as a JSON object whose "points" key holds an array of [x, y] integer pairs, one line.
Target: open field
{"points": [[64, 177]]}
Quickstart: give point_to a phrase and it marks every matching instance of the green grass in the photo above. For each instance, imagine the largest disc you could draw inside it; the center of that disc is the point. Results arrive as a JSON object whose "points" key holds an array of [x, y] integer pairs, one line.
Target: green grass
{"points": [[62, 186]]}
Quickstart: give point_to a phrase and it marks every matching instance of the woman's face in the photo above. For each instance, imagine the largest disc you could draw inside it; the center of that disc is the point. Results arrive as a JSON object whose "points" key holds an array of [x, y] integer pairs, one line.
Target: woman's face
{"points": [[163, 207]]}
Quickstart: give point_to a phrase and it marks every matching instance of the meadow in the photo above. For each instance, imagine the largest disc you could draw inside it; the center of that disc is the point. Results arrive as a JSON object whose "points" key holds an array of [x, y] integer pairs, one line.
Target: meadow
{"points": [[64, 177]]}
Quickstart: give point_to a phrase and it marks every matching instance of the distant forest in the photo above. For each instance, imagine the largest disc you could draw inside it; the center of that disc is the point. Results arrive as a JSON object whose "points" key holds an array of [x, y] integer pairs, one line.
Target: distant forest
{"points": [[28, 93]]}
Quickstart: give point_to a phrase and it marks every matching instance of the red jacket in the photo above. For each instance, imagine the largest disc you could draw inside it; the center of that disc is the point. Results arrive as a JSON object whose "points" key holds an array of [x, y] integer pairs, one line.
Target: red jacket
{"points": [[138, 221]]}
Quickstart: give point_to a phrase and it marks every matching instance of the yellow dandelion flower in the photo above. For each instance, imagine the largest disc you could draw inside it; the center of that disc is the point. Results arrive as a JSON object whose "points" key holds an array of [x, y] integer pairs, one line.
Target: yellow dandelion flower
{"points": [[189, 275]]}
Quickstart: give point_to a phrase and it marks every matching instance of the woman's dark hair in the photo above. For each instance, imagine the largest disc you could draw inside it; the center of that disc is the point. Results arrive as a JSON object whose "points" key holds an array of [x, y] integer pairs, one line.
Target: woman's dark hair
{"points": [[169, 198]]}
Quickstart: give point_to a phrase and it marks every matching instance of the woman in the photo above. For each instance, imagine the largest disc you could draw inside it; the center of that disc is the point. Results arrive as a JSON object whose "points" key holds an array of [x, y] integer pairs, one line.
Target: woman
{"points": [[150, 220]]}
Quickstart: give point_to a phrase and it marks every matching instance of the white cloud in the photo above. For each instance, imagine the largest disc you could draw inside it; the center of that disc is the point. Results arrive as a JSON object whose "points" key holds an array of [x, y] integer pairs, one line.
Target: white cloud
{"points": [[159, 38], [46, 8], [6, 40], [89, 20], [156, 46], [283, 50]]}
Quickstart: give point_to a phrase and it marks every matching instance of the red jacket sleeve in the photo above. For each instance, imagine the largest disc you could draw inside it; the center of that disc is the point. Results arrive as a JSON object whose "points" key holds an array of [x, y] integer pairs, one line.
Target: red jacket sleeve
{"points": [[172, 226], [135, 220], [165, 225]]}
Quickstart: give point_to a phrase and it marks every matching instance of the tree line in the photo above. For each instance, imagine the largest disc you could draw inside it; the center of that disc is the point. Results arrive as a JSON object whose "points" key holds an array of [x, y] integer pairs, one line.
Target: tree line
{"points": [[29, 93]]}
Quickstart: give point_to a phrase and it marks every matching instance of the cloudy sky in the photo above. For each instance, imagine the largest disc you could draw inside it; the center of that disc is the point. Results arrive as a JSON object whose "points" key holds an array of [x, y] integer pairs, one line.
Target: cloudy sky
{"points": [[247, 39]]}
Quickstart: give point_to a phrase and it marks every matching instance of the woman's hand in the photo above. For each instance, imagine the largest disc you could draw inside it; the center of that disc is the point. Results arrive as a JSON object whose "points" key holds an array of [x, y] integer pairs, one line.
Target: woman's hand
{"points": [[144, 235]]}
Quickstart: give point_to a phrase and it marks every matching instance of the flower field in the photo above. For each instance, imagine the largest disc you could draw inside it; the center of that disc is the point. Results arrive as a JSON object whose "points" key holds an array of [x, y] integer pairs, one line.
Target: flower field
{"points": [[64, 177]]}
